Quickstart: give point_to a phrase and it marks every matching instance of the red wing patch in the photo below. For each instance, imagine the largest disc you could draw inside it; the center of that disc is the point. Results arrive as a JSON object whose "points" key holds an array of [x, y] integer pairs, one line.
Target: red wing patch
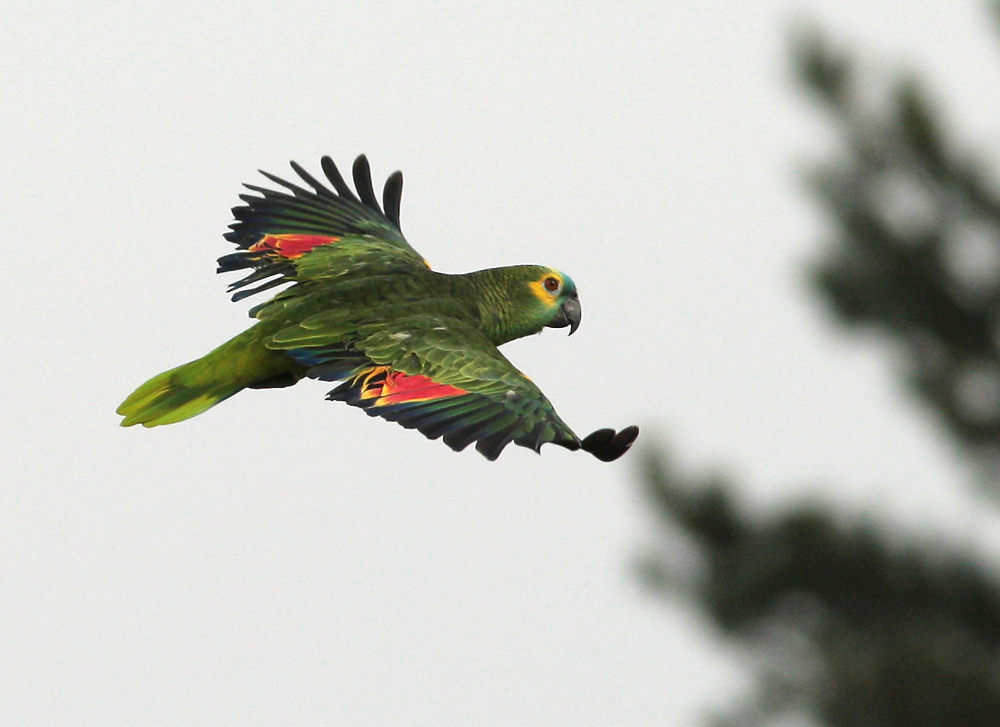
{"points": [[395, 387], [291, 245]]}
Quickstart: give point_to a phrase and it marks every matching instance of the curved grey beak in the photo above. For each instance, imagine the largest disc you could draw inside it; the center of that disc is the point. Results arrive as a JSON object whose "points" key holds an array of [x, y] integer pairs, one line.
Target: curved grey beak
{"points": [[568, 315]]}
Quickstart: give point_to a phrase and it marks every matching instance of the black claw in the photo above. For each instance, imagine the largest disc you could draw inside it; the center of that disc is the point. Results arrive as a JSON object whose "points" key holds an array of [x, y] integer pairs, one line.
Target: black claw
{"points": [[608, 446]]}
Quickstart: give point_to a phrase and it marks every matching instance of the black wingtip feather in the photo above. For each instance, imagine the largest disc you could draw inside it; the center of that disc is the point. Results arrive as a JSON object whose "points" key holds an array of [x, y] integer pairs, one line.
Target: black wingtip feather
{"points": [[293, 188], [309, 179], [235, 261], [462, 436], [273, 283], [493, 444], [333, 174], [392, 194], [363, 181], [607, 445], [251, 199]]}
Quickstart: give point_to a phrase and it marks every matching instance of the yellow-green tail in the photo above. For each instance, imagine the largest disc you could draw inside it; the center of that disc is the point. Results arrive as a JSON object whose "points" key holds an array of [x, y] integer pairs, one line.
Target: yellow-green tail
{"points": [[174, 396], [188, 390]]}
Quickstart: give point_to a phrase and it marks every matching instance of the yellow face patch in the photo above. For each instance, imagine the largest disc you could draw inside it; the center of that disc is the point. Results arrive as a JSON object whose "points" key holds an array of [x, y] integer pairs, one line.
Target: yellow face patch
{"points": [[549, 288]]}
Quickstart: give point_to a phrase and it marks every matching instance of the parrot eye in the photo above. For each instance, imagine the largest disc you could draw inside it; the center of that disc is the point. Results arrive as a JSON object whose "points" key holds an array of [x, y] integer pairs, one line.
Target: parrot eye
{"points": [[552, 284]]}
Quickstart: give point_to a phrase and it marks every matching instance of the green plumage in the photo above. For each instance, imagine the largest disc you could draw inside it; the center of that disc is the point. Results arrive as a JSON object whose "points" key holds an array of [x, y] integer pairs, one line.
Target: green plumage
{"points": [[409, 344]]}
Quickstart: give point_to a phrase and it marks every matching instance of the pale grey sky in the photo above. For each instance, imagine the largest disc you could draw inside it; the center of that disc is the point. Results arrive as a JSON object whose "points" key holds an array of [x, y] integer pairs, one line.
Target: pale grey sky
{"points": [[285, 560]]}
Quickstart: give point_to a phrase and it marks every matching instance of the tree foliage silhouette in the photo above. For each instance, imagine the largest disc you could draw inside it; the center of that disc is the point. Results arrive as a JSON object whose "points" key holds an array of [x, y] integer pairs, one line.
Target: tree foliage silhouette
{"points": [[850, 628]]}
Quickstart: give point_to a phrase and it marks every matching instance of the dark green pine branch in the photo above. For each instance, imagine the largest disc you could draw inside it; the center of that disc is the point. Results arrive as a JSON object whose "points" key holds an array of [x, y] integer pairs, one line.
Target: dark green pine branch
{"points": [[847, 625], [915, 248]]}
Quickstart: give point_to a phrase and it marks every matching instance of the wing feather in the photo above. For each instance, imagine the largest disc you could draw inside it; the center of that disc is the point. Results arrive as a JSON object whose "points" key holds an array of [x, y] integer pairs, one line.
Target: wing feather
{"points": [[433, 373], [363, 182], [333, 174], [392, 193], [279, 232], [312, 181]]}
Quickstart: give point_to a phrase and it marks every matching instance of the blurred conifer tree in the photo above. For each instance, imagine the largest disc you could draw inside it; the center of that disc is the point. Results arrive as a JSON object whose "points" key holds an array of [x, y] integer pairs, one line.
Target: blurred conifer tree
{"points": [[847, 628]]}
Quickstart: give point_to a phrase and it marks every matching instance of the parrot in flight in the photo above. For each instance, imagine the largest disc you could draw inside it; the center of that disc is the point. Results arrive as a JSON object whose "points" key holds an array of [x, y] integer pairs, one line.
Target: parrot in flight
{"points": [[408, 344]]}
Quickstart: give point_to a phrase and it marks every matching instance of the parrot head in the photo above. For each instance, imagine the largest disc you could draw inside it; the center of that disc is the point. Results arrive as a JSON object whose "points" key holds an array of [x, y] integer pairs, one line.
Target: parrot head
{"points": [[547, 298], [560, 303], [521, 300]]}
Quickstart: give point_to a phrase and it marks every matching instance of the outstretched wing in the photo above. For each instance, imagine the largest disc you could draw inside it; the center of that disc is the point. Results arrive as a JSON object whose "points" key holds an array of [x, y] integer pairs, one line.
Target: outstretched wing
{"points": [[311, 235], [436, 374]]}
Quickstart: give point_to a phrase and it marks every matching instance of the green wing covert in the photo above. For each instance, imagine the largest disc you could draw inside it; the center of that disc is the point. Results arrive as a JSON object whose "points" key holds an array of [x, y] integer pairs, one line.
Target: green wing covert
{"points": [[318, 235], [434, 373]]}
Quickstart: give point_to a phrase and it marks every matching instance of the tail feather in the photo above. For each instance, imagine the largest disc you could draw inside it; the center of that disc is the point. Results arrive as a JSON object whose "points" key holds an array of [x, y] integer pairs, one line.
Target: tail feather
{"points": [[174, 396], [188, 390]]}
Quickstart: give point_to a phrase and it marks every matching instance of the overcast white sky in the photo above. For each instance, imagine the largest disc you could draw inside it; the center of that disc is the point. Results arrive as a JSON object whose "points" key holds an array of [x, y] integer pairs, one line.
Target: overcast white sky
{"points": [[286, 560]]}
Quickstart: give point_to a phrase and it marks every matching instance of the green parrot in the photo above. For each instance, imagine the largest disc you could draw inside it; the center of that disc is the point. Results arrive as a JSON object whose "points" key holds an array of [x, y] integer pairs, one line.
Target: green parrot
{"points": [[408, 344]]}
